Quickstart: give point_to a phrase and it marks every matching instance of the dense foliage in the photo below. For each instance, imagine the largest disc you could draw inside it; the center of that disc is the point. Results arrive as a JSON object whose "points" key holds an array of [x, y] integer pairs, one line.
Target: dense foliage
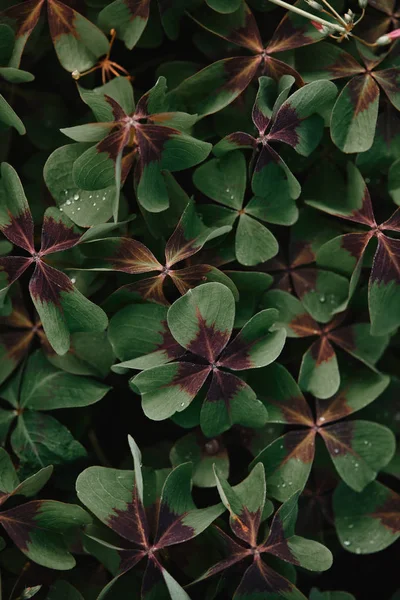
{"points": [[199, 300]]}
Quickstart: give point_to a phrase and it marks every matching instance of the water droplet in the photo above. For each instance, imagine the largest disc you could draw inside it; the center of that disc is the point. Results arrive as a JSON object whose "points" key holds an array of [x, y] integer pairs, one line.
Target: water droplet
{"points": [[103, 198], [347, 543], [60, 209], [73, 279], [90, 196], [336, 450], [78, 208], [232, 197], [358, 550], [283, 485], [94, 203], [290, 482], [68, 202], [322, 298], [356, 465], [76, 196], [322, 419], [281, 446], [366, 442], [227, 190], [351, 525], [182, 404]]}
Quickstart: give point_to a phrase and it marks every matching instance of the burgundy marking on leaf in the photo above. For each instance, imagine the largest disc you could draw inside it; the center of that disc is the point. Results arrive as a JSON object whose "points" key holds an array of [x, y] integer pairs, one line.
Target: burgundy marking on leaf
{"points": [[151, 140], [61, 19], [240, 139], [304, 325], [388, 79], [152, 576], [114, 143], [16, 344], [19, 521], [178, 247], [224, 387], [334, 409], [190, 377], [338, 438], [386, 266], [20, 230], [322, 351], [284, 127], [47, 284], [151, 288], [260, 120], [235, 553], [187, 278], [276, 543], [295, 410], [393, 224], [389, 513], [304, 280], [301, 253], [131, 523], [272, 67], [171, 529], [25, 15], [169, 345], [240, 72], [118, 112], [133, 257], [288, 37], [344, 337], [57, 236], [13, 267], [237, 355], [355, 243], [209, 341], [363, 92], [300, 445], [266, 156], [247, 36], [246, 525], [128, 559], [259, 578]]}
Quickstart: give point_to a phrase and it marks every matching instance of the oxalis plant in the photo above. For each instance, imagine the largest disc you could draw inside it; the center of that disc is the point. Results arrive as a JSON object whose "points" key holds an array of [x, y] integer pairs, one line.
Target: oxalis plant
{"points": [[199, 300]]}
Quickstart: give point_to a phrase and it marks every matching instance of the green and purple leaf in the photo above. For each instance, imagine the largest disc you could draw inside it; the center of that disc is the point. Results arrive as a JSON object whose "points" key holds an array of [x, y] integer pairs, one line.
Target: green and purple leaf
{"points": [[354, 115], [37, 529], [202, 320], [167, 389], [255, 345], [366, 521], [359, 450], [16, 221], [140, 337], [62, 308], [77, 41], [230, 401], [128, 18]]}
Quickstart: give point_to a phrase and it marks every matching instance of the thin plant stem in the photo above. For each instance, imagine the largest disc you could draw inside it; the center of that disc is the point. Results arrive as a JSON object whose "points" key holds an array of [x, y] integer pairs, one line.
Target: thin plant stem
{"points": [[308, 15], [334, 12]]}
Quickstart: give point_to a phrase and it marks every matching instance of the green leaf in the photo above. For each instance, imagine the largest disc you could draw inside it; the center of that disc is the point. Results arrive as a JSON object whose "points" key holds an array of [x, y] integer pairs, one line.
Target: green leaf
{"points": [[254, 243], [45, 387], [77, 41], [203, 453], [366, 521], [37, 529], [62, 590], [355, 114], [223, 179], [40, 440], [9, 117], [359, 450], [129, 19], [202, 320]]}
